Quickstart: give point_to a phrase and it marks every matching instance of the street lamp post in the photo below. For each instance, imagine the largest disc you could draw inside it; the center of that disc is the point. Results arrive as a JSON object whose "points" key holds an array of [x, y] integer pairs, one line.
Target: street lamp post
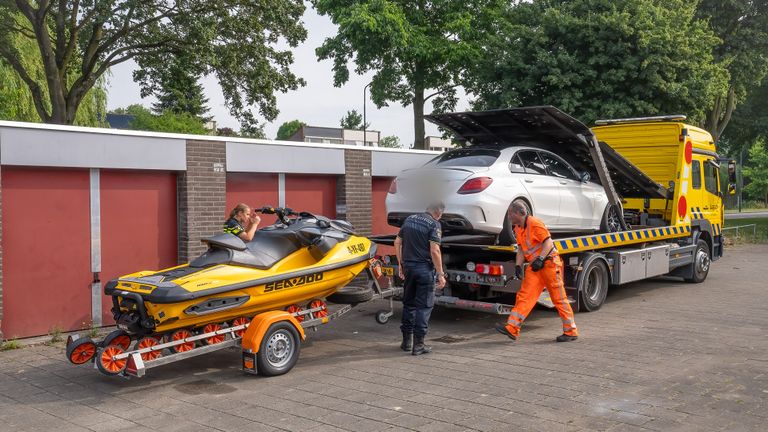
{"points": [[365, 135]]}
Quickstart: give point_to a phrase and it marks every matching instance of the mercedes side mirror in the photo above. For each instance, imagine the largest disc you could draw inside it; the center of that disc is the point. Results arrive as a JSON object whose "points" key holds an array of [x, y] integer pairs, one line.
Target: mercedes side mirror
{"points": [[584, 177]]}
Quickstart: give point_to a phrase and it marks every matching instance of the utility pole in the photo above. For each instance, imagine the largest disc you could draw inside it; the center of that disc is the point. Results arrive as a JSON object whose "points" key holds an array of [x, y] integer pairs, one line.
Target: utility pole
{"points": [[365, 125]]}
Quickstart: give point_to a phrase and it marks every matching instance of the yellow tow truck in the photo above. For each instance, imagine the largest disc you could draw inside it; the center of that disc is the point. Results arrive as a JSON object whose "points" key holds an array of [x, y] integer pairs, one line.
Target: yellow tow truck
{"points": [[661, 177]]}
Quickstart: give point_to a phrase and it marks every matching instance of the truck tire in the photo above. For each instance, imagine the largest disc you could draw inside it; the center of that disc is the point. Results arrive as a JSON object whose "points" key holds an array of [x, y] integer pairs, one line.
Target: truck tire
{"points": [[353, 294], [279, 349], [593, 285], [701, 263], [610, 222]]}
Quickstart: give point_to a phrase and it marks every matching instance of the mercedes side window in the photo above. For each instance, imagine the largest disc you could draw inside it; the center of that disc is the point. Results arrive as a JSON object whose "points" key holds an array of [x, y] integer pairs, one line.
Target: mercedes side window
{"points": [[516, 165], [696, 174], [710, 177], [532, 163], [557, 167]]}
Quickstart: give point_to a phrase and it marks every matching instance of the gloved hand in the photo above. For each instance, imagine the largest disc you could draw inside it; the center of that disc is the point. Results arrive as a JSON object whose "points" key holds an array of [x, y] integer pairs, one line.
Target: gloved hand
{"points": [[537, 264], [519, 272]]}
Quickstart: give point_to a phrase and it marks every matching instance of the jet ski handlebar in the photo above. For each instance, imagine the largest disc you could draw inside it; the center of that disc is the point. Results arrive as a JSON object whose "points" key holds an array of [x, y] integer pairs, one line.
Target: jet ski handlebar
{"points": [[283, 213]]}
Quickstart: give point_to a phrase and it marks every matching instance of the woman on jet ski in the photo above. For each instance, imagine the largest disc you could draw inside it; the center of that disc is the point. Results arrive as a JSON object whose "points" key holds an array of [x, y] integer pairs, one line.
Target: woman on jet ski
{"points": [[242, 222]]}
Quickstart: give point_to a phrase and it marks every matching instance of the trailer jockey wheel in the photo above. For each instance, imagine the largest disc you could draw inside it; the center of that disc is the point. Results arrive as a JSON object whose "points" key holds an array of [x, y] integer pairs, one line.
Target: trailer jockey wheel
{"points": [[279, 349], [382, 316], [81, 350], [106, 362]]}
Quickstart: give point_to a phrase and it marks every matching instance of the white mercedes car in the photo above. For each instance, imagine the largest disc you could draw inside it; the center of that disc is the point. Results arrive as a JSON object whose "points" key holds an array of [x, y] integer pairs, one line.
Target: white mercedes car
{"points": [[479, 184]]}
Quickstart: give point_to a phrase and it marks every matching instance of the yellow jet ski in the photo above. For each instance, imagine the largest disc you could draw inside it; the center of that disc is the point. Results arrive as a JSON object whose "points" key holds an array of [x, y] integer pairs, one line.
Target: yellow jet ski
{"points": [[291, 265]]}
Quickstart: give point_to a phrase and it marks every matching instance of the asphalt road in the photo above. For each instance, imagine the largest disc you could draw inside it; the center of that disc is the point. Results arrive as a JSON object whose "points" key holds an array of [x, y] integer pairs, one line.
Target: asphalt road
{"points": [[661, 355]]}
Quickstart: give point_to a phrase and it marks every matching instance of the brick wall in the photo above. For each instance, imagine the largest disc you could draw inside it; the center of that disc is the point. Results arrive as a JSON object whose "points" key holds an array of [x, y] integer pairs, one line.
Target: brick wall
{"points": [[353, 191], [201, 195]]}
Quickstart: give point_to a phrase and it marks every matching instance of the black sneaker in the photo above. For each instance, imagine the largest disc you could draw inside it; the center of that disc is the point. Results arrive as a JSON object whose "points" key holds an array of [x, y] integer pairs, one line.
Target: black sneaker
{"points": [[566, 338], [501, 328]]}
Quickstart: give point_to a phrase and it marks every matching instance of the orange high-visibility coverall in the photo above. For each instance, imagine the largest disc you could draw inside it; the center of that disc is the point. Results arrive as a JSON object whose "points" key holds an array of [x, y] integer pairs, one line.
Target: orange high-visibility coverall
{"points": [[530, 239]]}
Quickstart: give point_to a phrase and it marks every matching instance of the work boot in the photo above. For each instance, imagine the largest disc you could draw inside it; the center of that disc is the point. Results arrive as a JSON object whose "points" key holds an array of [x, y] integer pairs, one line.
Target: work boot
{"points": [[407, 344], [418, 346], [501, 328], [566, 338]]}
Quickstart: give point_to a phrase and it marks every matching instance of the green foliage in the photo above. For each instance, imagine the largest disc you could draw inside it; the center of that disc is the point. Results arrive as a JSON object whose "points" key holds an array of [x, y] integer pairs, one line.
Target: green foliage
{"points": [[289, 128], [10, 344], [413, 48], [178, 91], [756, 172], [390, 141], [748, 124], [742, 27], [245, 44], [601, 59], [353, 120], [144, 120], [56, 334], [253, 131], [16, 101]]}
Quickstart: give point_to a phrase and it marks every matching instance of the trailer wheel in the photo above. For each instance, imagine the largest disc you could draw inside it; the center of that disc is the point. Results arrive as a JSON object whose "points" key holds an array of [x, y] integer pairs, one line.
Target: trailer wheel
{"points": [[382, 316], [81, 350], [701, 263], [107, 364], [279, 350], [119, 338], [593, 285]]}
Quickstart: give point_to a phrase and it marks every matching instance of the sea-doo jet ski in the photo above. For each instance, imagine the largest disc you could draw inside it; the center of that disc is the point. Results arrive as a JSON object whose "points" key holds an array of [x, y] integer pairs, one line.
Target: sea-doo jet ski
{"points": [[292, 264]]}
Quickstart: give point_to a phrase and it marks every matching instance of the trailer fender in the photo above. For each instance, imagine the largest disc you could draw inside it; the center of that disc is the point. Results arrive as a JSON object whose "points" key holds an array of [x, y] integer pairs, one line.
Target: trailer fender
{"points": [[260, 324]]}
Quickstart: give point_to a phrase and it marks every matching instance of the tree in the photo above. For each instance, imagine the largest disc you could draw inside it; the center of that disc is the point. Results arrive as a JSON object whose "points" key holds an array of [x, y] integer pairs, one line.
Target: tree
{"points": [[178, 91], [289, 128], [353, 120], [16, 101], [756, 172], [144, 120], [390, 141], [78, 41], [742, 26], [417, 49], [601, 59]]}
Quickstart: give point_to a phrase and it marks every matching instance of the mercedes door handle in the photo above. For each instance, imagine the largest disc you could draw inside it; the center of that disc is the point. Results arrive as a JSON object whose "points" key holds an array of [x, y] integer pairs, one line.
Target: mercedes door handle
{"points": [[562, 182], [528, 180]]}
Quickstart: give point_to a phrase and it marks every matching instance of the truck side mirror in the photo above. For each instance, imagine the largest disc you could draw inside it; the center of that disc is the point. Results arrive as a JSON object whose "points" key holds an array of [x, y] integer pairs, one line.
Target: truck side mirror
{"points": [[731, 177], [584, 177]]}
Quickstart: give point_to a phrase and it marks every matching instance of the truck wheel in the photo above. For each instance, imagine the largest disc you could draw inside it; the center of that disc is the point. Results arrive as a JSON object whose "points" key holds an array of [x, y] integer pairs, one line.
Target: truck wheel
{"points": [[279, 350], [611, 221], [352, 294], [701, 262], [593, 284]]}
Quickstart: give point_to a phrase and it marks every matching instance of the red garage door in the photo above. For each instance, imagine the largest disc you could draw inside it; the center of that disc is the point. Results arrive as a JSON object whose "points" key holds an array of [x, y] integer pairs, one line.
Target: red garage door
{"points": [[46, 250], [138, 225], [255, 190], [380, 187], [311, 193]]}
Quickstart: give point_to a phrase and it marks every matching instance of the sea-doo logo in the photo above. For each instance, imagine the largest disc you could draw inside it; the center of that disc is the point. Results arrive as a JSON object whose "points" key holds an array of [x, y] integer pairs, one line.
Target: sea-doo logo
{"points": [[293, 282]]}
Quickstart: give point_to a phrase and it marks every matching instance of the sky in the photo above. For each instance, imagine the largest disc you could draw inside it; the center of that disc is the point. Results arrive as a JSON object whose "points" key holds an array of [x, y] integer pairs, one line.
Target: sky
{"points": [[318, 103]]}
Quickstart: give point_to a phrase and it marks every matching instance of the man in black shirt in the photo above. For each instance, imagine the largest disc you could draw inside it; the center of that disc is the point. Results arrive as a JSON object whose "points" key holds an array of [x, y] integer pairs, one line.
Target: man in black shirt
{"points": [[418, 251]]}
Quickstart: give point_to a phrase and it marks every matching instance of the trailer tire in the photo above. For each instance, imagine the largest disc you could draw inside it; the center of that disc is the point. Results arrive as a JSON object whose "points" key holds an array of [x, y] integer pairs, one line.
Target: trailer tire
{"points": [[593, 285], [352, 294], [279, 349], [701, 263]]}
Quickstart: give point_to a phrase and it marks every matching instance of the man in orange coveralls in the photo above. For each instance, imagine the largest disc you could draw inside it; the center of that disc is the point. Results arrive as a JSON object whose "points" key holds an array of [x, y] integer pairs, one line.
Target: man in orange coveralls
{"points": [[545, 269]]}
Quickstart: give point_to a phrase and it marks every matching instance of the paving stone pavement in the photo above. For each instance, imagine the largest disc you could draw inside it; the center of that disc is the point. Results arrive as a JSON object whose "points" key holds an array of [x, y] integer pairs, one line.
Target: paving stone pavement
{"points": [[661, 355]]}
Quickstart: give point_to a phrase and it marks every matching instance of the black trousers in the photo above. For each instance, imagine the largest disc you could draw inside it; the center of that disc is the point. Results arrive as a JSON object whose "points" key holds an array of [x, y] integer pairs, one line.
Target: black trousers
{"points": [[418, 298]]}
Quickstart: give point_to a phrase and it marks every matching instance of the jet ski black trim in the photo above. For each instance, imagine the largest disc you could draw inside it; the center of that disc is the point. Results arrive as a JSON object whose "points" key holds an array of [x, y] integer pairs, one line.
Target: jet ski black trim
{"points": [[169, 292]]}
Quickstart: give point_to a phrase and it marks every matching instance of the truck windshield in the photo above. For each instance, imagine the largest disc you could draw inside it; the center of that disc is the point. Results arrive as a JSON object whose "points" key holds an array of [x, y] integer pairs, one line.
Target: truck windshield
{"points": [[467, 157]]}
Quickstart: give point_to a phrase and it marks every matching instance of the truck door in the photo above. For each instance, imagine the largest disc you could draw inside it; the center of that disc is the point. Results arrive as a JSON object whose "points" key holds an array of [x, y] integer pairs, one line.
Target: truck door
{"points": [[543, 189], [712, 201]]}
